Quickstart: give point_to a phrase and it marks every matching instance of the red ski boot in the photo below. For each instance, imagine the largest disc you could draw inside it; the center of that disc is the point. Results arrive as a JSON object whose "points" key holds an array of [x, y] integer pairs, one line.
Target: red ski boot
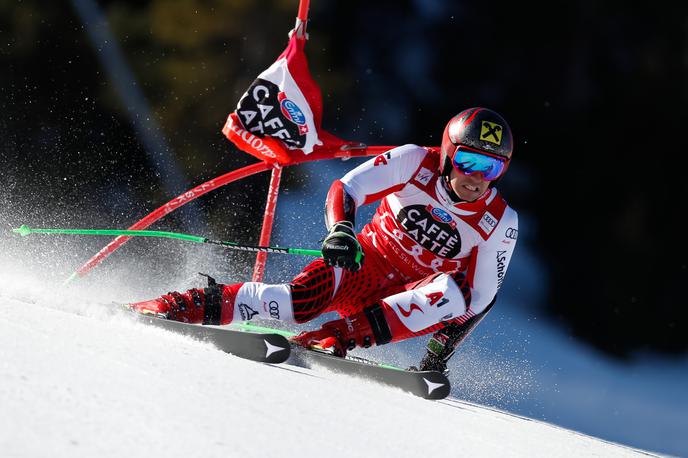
{"points": [[211, 305]]}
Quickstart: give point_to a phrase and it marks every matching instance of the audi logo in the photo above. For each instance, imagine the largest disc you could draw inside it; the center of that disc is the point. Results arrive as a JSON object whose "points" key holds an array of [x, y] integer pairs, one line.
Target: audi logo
{"points": [[274, 310], [511, 233]]}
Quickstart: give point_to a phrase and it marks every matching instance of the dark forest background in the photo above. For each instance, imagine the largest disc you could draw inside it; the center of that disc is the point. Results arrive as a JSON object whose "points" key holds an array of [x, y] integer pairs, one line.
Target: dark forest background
{"points": [[595, 93]]}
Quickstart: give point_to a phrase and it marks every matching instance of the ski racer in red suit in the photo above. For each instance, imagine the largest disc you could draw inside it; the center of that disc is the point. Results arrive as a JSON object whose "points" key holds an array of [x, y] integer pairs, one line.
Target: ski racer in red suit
{"points": [[431, 260]]}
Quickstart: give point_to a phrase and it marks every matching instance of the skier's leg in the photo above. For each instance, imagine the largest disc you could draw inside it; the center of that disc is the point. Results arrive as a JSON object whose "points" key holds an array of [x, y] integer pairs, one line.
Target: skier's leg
{"points": [[317, 289], [312, 291], [427, 305], [222, 304], [421, 307], [444, 342], [211, 305]]}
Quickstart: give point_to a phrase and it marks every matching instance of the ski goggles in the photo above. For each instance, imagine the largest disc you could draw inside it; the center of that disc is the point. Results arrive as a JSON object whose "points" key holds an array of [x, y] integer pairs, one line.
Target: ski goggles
{"points": [[468, 161]]}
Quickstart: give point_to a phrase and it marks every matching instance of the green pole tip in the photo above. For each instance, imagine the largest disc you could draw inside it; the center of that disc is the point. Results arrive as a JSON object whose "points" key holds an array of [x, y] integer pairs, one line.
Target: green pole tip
{"points": [[23, 230], [70, 279]]}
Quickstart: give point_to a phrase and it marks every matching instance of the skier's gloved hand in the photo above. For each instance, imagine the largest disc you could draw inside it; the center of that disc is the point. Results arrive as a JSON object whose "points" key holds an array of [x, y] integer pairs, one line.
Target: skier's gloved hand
{"points": [[343, 335], [341, 248]]}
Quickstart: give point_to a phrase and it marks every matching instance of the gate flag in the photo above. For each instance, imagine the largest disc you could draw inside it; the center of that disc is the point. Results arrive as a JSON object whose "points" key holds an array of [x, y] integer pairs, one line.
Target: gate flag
{"points": [[281, 112]]}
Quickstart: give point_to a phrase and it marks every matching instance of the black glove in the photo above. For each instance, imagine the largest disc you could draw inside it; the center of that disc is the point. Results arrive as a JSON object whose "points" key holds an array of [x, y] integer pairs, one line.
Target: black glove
{"points": [[341, 248]]}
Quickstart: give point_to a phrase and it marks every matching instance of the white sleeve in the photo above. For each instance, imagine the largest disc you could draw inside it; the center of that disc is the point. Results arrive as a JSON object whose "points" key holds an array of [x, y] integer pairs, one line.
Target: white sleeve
{"points": [[493, 260], [383, 174]]}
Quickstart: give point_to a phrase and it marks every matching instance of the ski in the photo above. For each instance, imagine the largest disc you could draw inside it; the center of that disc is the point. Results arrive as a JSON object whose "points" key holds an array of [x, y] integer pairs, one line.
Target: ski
{"points": [[424, 384], [269, 347]]}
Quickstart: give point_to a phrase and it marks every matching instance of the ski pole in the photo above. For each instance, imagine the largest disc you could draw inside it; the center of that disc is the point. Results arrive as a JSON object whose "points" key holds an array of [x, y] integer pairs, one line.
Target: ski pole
{"points": [[26, 230]]}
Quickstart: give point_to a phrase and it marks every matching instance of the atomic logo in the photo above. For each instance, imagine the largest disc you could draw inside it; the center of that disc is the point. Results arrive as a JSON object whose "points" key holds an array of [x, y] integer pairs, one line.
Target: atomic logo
{"points": [[271, 348], [247, 313], [432, 386]]}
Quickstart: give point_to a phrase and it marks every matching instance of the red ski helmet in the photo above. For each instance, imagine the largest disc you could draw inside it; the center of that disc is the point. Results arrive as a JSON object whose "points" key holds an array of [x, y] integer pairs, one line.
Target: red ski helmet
{"points": [[479, 129]]}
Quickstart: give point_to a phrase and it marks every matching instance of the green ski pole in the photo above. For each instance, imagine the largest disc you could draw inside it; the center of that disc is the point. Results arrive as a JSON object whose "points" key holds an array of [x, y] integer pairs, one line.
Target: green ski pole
{"points": [[26, 230]]}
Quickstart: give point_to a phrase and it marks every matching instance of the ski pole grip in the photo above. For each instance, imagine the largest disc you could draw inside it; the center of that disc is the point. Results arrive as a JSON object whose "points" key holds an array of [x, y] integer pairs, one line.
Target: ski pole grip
{"points": [[316, 253]]}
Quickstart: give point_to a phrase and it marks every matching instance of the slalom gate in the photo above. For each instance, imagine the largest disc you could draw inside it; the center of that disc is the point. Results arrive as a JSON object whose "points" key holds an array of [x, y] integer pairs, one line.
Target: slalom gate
{"points": [[278, 121]]}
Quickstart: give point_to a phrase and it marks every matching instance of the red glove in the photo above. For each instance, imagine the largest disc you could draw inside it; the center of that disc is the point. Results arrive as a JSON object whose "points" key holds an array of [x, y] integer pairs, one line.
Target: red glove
{"points": [[359, 330]]}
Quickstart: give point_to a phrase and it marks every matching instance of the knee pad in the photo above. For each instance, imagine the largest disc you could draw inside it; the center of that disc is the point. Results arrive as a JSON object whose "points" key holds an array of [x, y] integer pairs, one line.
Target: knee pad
{"points": [[266, 301], [428, 303]]}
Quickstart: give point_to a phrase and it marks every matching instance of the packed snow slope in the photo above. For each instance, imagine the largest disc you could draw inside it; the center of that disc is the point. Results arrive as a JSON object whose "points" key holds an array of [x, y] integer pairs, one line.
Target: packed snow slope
{"points": [[78, 381]]}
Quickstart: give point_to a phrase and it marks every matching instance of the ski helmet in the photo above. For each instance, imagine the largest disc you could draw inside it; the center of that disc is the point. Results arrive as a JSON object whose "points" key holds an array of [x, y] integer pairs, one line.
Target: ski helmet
{"points": [[480, 129]]}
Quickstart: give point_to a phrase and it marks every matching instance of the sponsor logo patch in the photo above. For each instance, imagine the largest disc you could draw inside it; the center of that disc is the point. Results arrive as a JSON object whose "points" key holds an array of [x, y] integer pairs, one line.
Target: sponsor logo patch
{"points": [[440, 215], [423, 176], [511, 233], [437, 296], [291, 110], [247, 313], [491, 132], [411, 309], [267, 112], [501, 267], [488, 222], [430, 230], [274, 310], [382, 159]]}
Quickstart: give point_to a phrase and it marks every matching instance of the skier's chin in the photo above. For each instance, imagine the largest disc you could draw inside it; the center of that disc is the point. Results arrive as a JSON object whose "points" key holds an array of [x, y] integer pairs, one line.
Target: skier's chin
{"points": [[469, 193]]}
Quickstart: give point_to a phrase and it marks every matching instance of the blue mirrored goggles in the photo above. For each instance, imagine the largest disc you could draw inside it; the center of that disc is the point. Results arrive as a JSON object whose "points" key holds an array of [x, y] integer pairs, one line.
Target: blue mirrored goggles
{"points": [[468, 162]]}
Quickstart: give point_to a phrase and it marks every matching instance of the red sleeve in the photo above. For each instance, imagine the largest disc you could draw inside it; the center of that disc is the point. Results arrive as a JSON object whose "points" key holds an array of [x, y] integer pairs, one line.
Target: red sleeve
{"points": [[371, 181], [339, 206], [384, 174]]}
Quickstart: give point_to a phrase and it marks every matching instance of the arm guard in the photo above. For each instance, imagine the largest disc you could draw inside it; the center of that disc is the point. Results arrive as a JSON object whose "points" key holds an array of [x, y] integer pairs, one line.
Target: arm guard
{"points": [[339, 206]]}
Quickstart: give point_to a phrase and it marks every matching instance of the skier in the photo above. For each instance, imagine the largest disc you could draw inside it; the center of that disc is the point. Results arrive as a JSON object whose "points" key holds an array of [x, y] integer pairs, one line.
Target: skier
{"points": [[431, 260]]}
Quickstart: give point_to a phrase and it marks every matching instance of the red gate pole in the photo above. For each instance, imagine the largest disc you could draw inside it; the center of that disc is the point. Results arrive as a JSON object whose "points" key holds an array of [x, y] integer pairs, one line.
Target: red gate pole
{"points": [[303, 10], [273, 191], [268, 219], [166, 209]]}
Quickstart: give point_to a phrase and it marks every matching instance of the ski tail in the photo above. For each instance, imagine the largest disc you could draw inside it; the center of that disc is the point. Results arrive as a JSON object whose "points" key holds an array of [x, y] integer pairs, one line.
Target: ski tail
{"points": [[425, 384], [265, 347]]}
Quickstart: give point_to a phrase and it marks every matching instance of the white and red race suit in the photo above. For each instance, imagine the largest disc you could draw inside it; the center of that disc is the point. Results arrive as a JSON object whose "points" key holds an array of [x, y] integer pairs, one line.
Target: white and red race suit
{"points": [[429, 261]]}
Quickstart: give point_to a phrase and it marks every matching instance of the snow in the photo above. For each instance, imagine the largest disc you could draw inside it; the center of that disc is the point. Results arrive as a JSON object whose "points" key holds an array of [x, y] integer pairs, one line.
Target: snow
{"points": [[77, 381], [519, 359]]}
